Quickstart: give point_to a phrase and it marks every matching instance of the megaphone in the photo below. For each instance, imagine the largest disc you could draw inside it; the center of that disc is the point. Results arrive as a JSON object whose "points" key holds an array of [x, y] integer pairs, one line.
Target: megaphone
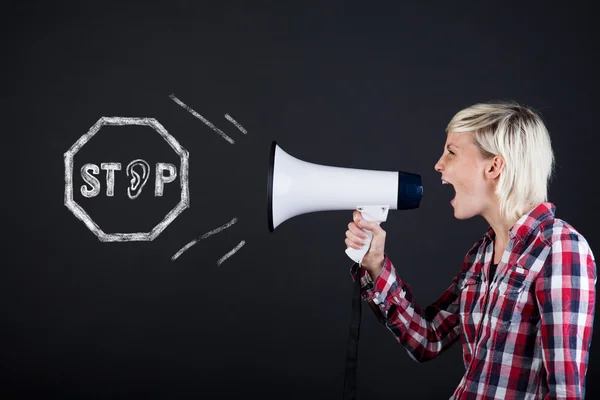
{"points": [[297, 187]]}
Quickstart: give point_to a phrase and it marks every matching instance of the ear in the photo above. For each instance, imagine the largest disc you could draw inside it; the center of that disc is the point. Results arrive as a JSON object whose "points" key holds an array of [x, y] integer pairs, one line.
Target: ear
{"points": [[494, 167]]}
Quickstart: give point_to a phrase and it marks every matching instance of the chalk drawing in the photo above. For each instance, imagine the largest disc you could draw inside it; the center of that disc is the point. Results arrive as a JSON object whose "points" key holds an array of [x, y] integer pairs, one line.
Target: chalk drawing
{"points": [[136, 181], [207, 234], [90, 180], [201, 118], [232, 252], [80, 213], [237, 125], [161, 178], [110, 169]]}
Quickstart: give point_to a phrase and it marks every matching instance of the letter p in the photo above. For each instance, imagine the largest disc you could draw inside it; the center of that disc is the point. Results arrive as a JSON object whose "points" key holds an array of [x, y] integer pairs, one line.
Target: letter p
{"points": [[161, 179]]}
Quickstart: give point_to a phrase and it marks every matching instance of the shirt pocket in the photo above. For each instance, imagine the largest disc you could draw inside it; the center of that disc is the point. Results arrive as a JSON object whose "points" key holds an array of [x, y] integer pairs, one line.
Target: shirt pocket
{"points": [[513, 283], [468, 279], [513, 292]]}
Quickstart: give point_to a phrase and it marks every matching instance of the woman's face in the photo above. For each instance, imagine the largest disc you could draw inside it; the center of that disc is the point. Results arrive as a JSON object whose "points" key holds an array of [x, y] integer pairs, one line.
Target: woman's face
{"points": [[463, 167]]}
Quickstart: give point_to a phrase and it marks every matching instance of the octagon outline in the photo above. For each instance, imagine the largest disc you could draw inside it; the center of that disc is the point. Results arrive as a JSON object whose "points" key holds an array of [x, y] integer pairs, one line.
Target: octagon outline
{"points": [[80, 213]]}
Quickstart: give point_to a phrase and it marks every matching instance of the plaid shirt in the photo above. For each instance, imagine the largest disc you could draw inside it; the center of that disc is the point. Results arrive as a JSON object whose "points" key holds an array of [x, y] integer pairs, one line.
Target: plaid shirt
{"points": [[525, 334]]}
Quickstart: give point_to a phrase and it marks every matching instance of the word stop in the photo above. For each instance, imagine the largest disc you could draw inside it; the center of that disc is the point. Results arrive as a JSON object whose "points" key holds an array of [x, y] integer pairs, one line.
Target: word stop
{"points": [[139, 172]]}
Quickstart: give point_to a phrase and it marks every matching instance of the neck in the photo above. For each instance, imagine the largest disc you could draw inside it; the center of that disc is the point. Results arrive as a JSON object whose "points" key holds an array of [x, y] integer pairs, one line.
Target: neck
{"points": [[500, 225]]}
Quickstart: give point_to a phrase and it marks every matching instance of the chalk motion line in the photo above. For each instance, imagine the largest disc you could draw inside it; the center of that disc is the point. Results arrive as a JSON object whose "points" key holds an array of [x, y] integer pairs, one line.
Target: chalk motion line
{"points": [[237, 124], [201, 118], [210, 233], [232, 252]]}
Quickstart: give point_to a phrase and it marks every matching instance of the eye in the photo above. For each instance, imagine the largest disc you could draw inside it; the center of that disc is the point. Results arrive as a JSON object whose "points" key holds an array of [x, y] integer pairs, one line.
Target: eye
{"points": [[450, 152]]}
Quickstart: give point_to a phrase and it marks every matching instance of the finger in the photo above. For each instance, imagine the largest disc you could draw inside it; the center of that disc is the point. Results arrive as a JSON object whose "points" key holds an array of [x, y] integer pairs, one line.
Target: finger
{"points": [[368, 225], [356, 230], [359, 220], [356, 216], [355, 239], [351, 244]]}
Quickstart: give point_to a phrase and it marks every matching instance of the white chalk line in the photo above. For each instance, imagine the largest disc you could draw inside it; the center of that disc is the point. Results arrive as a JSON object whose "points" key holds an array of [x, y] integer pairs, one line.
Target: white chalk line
{"points": [[232, 252], [201, 118], [207, 234], [237, 124]]}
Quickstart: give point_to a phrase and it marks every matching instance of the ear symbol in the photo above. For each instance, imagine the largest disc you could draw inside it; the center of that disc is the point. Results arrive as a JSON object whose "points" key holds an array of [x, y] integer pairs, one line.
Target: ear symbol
{"points": [[137, 183]]}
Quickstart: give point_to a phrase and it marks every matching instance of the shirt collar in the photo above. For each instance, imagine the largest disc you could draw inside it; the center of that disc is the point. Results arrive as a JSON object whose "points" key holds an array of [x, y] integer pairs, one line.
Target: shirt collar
{"points": [[528, 222]]}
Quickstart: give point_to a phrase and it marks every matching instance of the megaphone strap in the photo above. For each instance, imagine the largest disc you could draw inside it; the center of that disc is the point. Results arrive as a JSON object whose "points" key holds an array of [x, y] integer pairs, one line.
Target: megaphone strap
{"points": [[353, 336]]}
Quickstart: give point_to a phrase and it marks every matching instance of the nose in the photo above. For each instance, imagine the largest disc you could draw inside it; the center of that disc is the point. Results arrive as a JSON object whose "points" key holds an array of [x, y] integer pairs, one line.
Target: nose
{"points": [[438, 165]]}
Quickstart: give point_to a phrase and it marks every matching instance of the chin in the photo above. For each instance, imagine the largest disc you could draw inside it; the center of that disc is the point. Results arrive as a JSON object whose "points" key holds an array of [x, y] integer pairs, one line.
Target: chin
{"points": [[462, 215]]}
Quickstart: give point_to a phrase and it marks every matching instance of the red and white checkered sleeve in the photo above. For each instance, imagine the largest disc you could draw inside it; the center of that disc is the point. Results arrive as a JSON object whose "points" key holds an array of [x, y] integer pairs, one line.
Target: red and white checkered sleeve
{"points": [[565, 292], [424, 332]]}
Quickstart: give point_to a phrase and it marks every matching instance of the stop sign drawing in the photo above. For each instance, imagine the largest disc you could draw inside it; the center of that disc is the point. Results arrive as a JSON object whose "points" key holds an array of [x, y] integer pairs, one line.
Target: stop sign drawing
{"points": [[165, 173]]}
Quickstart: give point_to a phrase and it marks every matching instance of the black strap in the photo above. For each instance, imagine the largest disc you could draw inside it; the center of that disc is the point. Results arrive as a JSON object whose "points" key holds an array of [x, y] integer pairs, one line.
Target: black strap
{"points": [[352, 349]]}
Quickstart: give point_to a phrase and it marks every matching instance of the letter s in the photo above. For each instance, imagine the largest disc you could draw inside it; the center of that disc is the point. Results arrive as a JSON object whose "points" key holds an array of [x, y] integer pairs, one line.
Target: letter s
{"points": [[90, 180]]}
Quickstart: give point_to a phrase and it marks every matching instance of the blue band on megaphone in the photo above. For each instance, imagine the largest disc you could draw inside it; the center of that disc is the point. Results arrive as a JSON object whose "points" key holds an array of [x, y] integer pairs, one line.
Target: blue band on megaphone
{"points": [[410, 190]]}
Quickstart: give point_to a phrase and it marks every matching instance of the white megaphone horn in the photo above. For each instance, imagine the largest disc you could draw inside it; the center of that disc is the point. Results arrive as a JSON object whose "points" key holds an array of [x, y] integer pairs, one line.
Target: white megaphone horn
{"points": [[297, 187]]}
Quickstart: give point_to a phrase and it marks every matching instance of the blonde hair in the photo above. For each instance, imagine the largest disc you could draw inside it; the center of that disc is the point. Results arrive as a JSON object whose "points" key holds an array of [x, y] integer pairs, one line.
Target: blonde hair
{"points": [[518, 134]]}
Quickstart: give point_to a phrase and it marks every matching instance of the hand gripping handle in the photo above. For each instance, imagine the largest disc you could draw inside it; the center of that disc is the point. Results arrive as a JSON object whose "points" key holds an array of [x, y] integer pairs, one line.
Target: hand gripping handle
{"points": [[369, 213]]}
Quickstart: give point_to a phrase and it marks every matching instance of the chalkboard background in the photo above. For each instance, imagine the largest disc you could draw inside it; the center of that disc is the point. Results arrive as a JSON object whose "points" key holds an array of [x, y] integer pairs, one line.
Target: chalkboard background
{"points": [[365, 84]]}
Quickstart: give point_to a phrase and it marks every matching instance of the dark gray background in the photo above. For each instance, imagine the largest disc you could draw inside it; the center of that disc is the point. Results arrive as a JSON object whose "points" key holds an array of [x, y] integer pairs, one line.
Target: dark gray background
{"points": [[366, 85]]}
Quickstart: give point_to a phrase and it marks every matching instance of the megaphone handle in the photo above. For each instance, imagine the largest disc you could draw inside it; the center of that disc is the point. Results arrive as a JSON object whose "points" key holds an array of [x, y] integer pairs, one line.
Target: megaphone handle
{"points": [[357, 254]]}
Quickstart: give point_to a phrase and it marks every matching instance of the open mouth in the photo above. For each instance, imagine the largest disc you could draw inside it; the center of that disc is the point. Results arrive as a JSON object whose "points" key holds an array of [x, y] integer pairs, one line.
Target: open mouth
{"points": [[444, 182]]}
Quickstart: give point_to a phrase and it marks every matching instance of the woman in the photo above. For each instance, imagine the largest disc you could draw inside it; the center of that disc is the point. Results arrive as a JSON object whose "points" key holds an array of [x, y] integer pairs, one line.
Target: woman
{"points": [[524, 299]]}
